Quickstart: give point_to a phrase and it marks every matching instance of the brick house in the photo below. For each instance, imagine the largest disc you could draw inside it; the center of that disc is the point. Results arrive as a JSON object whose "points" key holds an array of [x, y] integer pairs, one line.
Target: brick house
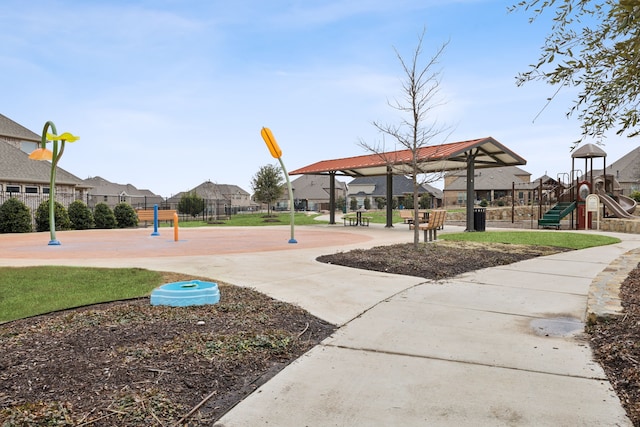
{"points": [[29, 180]]}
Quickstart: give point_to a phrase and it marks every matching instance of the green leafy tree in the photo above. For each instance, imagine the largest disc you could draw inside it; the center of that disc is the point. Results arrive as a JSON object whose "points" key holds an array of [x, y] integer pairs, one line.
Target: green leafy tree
{"points": [[353, 204], [425, 201], [268, 185], [104, 217], [367, 203], [125, 215], [15, 217], [61, 217], [80, 215], [592, 46], [635, 196], [408, 201], [381, 202], [191, 204], [341, 203]]}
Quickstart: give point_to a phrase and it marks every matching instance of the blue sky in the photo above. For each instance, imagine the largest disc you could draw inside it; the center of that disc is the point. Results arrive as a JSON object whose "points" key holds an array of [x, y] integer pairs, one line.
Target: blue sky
{"points": [[166, 94]]}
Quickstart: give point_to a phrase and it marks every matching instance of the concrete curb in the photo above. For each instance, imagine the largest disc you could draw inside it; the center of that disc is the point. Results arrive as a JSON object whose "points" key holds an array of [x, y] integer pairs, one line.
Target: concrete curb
{"points": [[603, 301]]}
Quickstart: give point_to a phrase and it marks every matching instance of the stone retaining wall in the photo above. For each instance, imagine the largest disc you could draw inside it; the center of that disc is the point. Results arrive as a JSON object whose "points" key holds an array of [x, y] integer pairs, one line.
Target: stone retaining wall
{"points": [[525, 213]]}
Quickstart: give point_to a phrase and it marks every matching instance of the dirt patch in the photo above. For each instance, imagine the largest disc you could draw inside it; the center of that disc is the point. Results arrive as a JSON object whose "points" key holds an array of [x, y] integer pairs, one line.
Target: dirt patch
{"points": [[616, 345], [438, 260], [130, 363]]}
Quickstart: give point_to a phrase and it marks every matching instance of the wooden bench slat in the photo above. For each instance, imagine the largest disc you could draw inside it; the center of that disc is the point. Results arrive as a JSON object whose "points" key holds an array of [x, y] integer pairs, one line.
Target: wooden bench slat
{"points": [[148, 215], [436, 222]]}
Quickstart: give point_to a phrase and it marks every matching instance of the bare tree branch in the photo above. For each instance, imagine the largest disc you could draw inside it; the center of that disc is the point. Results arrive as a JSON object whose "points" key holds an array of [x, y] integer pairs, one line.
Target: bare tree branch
{"points": [[417, 128]]}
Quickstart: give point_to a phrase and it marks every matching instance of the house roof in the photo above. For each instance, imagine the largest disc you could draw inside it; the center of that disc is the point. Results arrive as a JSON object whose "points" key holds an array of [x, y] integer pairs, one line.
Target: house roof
{"points": [[401, 185], [211, 190], [107, 188], [17, 167], [314, 187], [627, 167], [492, 179], [11, 129], [436, 158]]}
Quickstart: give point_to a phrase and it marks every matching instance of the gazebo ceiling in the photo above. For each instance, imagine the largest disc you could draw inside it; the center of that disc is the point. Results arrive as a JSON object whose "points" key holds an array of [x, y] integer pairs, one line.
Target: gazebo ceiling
{"points": [[437, 158]]}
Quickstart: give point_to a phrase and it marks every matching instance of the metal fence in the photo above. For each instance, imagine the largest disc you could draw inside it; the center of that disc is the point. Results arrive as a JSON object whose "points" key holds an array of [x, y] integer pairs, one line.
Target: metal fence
{"points": [[213, 208]]}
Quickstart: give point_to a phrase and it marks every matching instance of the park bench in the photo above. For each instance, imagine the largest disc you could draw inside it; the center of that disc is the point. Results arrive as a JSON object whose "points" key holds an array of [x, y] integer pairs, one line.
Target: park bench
{"points": [[407, 216], [147, 215], [436, 222]]}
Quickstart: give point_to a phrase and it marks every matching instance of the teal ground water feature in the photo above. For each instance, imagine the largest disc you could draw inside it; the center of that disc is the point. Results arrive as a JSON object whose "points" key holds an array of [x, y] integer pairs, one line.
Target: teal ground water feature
{"points": [[182, 294]]}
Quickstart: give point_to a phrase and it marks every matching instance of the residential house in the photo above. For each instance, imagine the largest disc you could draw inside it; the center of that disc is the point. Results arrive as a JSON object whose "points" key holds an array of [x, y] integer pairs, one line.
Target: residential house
{"points": [[491, 184], [312, 193], [29, 180], [110, 193], [373, 187], [626, 170], [220, 199]]}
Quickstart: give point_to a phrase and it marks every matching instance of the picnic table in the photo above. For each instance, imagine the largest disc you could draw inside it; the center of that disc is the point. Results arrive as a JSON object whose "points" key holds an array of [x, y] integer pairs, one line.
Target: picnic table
{"points": [[356, 220]]}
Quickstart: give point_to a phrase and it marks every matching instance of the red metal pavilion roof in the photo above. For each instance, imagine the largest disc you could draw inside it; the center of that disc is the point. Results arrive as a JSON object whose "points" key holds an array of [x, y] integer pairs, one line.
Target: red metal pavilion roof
{"points": [[436, 158]]}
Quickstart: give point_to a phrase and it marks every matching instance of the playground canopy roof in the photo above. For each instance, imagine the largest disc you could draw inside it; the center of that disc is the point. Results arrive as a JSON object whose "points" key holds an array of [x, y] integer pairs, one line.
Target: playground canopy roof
{"points": [[487, 153]]}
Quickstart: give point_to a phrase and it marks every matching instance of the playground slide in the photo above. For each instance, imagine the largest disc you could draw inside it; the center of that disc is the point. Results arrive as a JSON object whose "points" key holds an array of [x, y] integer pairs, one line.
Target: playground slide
{"points": [[613, 206], [627, 203]]}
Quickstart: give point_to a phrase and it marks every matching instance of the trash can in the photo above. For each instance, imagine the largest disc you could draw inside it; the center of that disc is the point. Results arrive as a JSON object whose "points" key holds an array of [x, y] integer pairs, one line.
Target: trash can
{"points": [[479, 219]]}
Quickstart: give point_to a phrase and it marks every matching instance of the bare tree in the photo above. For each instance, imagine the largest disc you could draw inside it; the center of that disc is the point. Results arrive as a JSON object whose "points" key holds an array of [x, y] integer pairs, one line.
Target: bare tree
{"points": [[417, 128]]}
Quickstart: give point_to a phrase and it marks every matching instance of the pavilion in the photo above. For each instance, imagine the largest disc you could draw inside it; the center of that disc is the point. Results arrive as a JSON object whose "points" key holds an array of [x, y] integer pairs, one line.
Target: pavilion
{"points": [[470, 155]]}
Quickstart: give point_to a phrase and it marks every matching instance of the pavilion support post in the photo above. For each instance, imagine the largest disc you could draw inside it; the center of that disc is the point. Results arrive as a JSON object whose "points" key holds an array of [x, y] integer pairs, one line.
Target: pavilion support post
{"points": [[471, 157], [389, 198], [332, 198]]}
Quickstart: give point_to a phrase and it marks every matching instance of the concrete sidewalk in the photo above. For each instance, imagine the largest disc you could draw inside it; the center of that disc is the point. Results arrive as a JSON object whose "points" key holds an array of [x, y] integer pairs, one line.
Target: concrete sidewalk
{"points": [[497, 347]]}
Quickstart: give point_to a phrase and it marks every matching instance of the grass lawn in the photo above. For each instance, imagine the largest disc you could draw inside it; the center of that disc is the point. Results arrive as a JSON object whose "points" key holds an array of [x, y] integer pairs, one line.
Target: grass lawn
{"points": [[252, 220], [28, 291], [540, 238]]}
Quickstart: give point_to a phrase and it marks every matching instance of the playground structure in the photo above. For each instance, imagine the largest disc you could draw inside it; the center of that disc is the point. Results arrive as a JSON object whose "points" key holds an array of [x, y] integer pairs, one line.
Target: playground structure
{"points": [[572, 195]]}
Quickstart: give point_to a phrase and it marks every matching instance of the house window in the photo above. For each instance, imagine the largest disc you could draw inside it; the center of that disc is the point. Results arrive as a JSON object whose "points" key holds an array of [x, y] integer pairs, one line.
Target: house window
{"points": [[31, 190], [45, 190], [13, 188], [462, 198], [123, 199], [106, 198]]}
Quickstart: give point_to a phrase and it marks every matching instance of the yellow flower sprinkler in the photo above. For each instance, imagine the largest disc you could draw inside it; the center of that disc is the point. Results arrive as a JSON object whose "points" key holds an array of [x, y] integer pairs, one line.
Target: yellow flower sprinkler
{"points": [[276, 152], [42, 153]]}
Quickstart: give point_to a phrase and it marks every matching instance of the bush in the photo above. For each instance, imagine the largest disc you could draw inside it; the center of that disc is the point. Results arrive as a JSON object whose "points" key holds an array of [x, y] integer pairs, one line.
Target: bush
{"points": [[635, 196], [367, 203], [381, 202], [80, 216], [15, 217], [484, 203], [125, 215], [353, 204], [104, 217], [425, 201], [61, 217]]}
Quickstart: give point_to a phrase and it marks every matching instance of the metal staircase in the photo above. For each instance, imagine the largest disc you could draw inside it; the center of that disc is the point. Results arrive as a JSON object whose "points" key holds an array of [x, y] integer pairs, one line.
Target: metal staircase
{"points": [[553, 216]]}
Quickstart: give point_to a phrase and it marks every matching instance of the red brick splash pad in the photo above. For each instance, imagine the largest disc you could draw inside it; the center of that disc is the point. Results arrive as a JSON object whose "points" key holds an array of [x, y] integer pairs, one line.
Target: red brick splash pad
{"points": [[138, 243]]}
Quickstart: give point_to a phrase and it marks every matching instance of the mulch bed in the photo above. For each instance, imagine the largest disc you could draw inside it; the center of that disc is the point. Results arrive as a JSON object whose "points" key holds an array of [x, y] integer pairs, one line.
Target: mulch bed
{"points": [[616, 345], [129, 363]]}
